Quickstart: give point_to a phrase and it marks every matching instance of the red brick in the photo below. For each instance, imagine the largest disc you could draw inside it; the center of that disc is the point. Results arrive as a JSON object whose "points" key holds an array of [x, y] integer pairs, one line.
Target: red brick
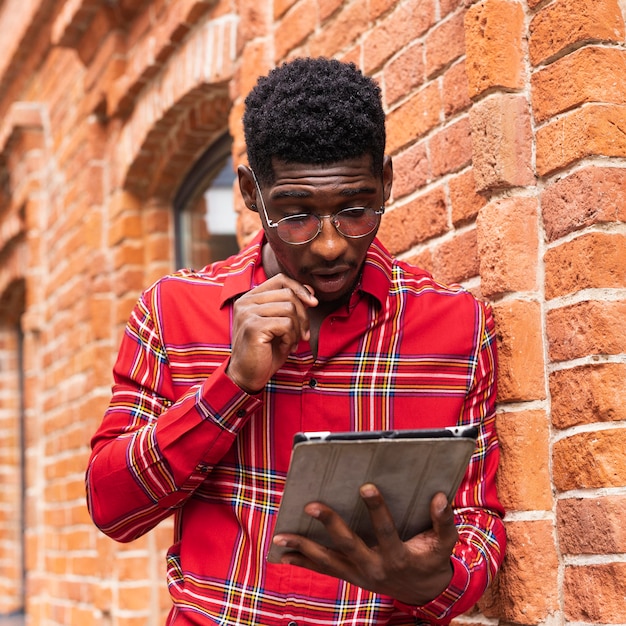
{"points": [[423, 259], [379, 7], [405, 23], [455, 90], [590, 460], [328, 7], [595, 593], [254, 20], [524, 472], [297, 24], [451, 148], [520, 351], [595, 260], [586, 328], [447, 6], [404, 73], [594, 195], [127, 226], [587, 394], [594, 130], [525, 590], [414, 222], [493, 35], [592, 525], [445, 43], [502, 142], [414, 118], [564, 23], [456, 259], [508, 242], [280, 7], [587, 75], [465, 201], [343, 29], [411, 170]]}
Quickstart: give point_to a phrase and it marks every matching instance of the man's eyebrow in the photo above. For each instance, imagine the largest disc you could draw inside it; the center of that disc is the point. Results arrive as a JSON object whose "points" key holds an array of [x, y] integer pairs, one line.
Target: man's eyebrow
{"points": [[302, 193]]}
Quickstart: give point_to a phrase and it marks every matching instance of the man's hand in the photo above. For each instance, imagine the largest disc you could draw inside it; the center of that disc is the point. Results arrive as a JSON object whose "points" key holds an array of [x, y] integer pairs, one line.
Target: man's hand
{"points": [[268, 323], [413, 572]]}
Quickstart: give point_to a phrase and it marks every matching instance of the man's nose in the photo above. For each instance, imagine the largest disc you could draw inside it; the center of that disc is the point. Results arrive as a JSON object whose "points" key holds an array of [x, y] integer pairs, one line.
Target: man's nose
{"points": [[330, 243]]}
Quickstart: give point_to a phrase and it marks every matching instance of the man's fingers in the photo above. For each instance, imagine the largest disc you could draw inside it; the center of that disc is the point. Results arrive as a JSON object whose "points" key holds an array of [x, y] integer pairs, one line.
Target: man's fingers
{"points": [[442, 518], [382, 522]]}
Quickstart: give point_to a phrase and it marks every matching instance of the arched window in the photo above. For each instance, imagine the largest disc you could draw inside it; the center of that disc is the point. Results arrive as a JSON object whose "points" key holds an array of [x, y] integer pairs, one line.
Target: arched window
{"points": [[205, 218]]}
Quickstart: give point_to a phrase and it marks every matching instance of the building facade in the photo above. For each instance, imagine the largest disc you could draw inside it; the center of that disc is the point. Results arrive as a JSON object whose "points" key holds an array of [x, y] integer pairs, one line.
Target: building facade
{"points": [[120, 126]]}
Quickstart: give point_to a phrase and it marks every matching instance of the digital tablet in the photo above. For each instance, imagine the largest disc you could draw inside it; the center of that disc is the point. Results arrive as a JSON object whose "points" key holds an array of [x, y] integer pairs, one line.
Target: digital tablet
{"points": [[408, 467]]}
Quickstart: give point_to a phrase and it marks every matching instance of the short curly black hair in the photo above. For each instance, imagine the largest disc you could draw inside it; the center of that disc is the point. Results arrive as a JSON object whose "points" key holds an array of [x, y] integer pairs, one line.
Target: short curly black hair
{"points": [[313, 111]]}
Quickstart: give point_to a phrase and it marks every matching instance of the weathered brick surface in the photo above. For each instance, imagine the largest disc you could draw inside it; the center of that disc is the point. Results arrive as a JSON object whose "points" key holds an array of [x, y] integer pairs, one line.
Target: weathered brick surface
{"points": [[505, 121], [595, 593], [587, 75], [445, 43], [592, 525], [415, 221], [588, 132], [414, 118], [455, 90], [524, 474], [520, 351], [585, 328], [451, 148], [592, 195], [508, 246], [567, 22], [456, 260], [525, 592], [590, 460], [404, 73], [411, 170], [494, 33], [465, 201], [501, 137], [588, 394], [595, 260]]}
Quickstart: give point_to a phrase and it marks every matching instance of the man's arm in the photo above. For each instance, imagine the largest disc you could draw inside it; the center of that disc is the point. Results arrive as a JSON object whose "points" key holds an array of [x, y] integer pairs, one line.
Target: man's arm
{"points": [[151, 452]]}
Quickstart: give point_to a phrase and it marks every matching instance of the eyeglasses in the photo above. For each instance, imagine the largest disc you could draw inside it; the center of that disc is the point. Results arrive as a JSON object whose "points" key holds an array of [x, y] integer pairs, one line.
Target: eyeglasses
{"points": [[353, 222]]}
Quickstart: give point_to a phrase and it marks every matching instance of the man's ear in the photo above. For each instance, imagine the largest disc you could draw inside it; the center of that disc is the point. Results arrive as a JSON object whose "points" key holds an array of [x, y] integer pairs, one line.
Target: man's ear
{"points": [[387, 177], [247, 187]]}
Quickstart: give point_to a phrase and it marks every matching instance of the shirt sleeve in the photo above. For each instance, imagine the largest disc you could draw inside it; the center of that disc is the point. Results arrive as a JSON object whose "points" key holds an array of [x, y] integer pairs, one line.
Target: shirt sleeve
{"points": [[151, 453], [480, 548]]}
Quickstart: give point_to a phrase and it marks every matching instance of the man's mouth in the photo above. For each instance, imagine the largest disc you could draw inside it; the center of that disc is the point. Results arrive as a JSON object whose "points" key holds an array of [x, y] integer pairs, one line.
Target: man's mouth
{"points": [[330, 280]]}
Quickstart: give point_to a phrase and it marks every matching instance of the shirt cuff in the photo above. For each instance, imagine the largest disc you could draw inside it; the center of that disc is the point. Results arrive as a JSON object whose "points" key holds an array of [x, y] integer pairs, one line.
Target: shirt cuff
{"points": [[440, 608], [224, 402]]}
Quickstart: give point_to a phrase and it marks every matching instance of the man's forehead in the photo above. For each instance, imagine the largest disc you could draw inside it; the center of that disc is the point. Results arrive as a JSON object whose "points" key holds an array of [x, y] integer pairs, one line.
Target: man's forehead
{"points": [[348, 169]]}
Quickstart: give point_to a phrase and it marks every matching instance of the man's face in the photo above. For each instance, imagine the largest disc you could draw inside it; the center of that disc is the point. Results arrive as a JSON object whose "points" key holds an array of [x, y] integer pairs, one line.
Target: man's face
{"points": [[331, 262]]}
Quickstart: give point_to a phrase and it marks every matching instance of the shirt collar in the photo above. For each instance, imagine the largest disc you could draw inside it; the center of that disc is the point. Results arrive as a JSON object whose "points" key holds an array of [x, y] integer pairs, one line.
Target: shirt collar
{"points": [[247, 271]]}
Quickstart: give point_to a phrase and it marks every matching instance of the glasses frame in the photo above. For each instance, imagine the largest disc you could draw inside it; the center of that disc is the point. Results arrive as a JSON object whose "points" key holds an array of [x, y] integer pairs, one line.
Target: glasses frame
{"points": [[332, 217]]}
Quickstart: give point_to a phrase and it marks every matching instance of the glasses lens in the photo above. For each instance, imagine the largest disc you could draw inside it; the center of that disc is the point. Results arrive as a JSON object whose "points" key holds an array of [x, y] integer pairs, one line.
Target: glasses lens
{"points": [[298, 228], [356, 221]]}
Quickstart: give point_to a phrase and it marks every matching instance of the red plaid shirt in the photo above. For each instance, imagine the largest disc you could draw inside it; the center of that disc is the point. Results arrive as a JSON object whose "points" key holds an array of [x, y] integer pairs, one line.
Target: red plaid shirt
{"points": [[180, 438]]}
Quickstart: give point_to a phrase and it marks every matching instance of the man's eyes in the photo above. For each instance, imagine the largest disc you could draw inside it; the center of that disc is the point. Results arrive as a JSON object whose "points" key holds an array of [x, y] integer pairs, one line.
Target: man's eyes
{"points": [[353, 212], [350, 212]]}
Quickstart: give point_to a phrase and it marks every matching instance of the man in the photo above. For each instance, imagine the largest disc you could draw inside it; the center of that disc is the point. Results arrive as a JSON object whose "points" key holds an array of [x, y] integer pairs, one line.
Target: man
{"points": [[311, 327]]}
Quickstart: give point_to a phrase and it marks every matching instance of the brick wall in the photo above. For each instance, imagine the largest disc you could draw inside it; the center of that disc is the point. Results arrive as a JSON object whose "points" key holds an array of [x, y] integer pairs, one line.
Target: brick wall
{"points": [[507, 124]]}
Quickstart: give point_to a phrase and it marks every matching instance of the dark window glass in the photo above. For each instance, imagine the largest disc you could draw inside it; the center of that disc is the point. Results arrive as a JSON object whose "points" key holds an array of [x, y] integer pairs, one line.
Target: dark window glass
{"points": [[204, 209]]}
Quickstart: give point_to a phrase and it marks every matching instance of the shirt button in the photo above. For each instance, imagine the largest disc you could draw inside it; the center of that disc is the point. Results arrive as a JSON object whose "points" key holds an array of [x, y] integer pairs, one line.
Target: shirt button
{"points": [[292, 623], [312, 384], [241, 412]]}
